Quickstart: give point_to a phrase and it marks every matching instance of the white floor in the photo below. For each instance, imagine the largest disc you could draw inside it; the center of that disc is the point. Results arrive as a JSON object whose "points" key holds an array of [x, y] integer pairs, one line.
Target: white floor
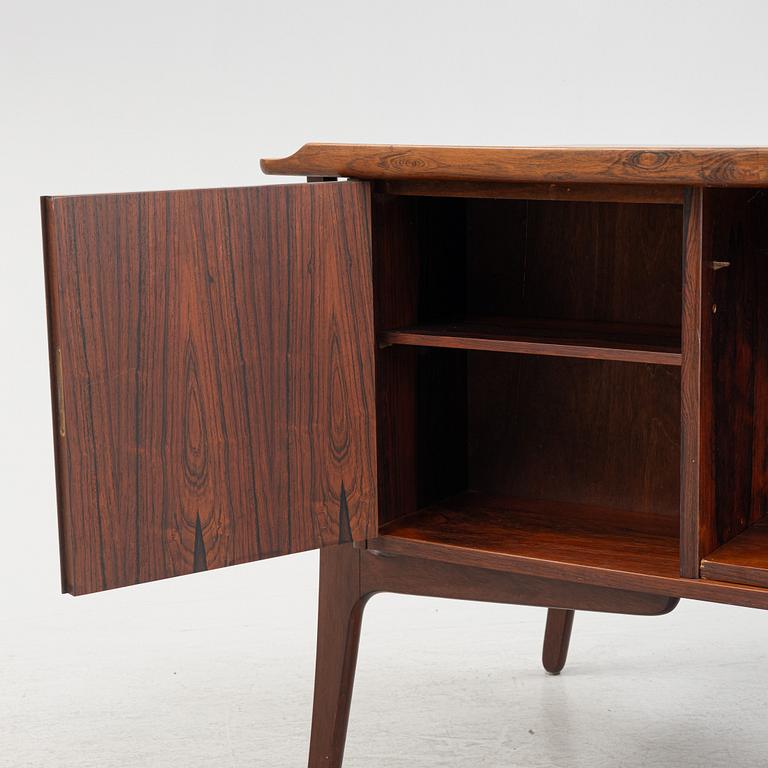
{"points": [[216, 670]]}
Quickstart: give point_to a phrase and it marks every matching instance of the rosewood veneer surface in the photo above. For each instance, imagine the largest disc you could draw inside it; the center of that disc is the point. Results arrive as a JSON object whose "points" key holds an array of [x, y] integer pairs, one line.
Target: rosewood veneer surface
{"points": [[556, 532], [596, 341], [715, 166], [743, 559], [212, 360]]}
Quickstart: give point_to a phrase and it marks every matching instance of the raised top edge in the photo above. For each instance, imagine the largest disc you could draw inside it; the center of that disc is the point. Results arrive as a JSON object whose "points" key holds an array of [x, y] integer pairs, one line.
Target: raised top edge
{"points": [[707, 166]]}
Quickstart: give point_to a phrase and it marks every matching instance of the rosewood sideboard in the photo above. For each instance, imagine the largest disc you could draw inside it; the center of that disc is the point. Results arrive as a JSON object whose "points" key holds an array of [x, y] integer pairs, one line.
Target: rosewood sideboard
{"points": [[530, 376]]}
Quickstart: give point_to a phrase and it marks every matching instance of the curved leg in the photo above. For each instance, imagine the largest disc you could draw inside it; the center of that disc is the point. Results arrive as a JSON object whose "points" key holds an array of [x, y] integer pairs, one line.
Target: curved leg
{"points": [[557, 638], [557, 635], [349, 576], [340, 614]]}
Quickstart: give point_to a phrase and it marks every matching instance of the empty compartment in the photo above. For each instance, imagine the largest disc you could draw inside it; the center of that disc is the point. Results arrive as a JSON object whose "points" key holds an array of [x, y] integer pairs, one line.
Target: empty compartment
{"points": [[573, 279], [572, 462], [541, 457], [735, 524]]}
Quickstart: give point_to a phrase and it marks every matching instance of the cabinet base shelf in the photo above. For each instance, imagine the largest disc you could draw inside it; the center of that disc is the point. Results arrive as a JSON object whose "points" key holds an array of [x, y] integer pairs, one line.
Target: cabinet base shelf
{"points": [[545, 537], [742, 560]]}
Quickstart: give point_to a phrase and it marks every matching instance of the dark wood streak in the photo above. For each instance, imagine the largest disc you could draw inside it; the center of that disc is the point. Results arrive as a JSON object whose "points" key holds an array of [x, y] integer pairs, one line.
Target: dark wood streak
{"points": [[345, 526], [217, 368], [137, 383], [200, 559], [718, 166]]}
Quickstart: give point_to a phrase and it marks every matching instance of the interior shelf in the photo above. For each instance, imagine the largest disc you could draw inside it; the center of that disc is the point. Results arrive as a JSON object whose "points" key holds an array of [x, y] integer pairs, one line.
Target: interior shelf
{"points": [[742, 560], [544, 531], [598, 341], [558, 458]]}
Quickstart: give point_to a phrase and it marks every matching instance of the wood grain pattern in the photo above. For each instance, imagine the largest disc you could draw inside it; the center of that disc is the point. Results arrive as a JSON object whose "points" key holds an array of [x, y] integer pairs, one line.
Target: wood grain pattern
{"points": [[737, 166], [547, 569], [557, 532], [742, 560], [594, 193], [414, 576], [737, 235], [217, 377], [341, 604], [594, 341], [592, 432], [575, 261]]}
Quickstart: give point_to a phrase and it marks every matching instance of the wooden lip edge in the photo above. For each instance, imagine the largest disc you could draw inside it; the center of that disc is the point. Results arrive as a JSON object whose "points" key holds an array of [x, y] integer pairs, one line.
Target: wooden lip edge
{"points": [[543, 348], [529, 164], [713, 570]]}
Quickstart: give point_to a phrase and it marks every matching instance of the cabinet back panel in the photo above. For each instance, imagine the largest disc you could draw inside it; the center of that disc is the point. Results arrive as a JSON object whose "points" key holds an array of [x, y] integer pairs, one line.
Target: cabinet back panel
{"points": [[441, 424], [591, 432], [604, 262], [442, 256]]}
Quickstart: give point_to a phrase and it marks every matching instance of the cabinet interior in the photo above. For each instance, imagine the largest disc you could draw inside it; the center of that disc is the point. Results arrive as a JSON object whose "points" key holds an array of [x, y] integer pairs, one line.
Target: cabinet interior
{"points": [[529, 378], [736, 526]]}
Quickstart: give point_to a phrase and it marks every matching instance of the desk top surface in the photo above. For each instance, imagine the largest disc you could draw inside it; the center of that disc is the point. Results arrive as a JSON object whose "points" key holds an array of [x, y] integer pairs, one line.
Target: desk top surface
{"points": [[708, 166]]}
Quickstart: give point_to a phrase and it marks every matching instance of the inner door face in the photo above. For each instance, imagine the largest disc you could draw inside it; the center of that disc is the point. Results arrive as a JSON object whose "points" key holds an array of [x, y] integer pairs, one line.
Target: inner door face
{"points": [[212, 369]]}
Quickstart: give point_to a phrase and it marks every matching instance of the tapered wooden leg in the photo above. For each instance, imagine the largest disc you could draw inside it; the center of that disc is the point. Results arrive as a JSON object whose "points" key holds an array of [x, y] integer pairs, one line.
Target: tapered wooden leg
{"points": [[349, 576], [557, 637], [338, 634]]}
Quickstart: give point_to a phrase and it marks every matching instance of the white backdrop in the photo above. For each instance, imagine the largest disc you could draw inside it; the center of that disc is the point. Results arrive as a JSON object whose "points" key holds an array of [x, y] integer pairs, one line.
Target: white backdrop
{"points": [[216, 669]]}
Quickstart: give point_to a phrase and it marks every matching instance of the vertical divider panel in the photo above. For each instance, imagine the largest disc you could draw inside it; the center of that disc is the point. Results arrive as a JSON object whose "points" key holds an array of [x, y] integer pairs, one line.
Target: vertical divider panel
{"points": [[697, 530], [395, 286]]}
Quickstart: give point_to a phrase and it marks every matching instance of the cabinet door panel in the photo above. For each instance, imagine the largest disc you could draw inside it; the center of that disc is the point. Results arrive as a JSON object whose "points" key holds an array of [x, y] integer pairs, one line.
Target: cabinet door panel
{"points": [[212, 369]]}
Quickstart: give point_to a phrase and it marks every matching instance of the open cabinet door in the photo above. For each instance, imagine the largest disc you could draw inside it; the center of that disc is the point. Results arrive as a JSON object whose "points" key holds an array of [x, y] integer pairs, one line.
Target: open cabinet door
{"points": [[213, 377]]}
